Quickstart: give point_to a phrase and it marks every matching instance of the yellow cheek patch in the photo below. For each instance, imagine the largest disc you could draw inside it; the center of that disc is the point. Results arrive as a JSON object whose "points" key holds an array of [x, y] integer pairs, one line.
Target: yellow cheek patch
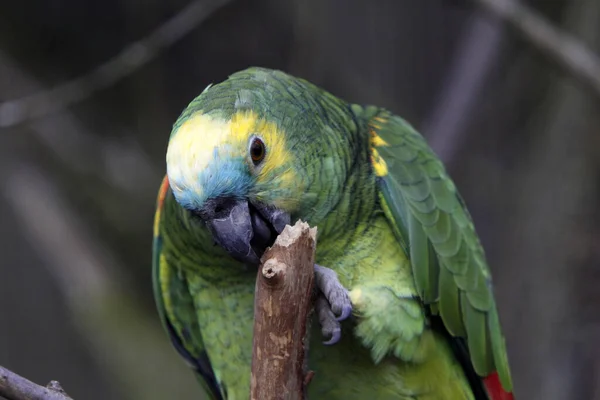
{"points": [[276, 169], [246, 124], [277, 154]]}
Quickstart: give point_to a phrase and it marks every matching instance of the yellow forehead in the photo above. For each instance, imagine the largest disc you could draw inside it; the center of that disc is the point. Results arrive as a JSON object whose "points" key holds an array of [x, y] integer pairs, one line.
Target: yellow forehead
{"points": [[194, 145]]}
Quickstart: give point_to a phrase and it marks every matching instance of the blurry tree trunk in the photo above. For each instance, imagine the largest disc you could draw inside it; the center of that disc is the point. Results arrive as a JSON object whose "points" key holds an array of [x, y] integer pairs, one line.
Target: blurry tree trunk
{"points": [[477, 54], [554, 198]]}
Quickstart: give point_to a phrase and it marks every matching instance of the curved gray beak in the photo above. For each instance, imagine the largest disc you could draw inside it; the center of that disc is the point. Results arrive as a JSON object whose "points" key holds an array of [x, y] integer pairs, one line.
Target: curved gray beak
{"points": [[244, 230]]}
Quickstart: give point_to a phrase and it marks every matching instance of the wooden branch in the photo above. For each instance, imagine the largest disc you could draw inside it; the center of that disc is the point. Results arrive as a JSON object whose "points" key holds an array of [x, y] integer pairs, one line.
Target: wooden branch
{"points": [[566, 49], [282, 308], [15, 387]]}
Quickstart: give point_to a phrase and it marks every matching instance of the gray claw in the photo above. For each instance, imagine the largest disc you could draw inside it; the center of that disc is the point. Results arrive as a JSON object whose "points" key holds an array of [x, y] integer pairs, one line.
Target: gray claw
{"points": [[346, 312], [335, 337], [330, 327], [327, 282], [333, 303]]}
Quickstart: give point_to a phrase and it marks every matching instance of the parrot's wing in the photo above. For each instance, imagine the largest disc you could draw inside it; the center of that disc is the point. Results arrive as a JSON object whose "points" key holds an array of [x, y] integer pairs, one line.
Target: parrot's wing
{"points": [[176, 308], [433, 225]]}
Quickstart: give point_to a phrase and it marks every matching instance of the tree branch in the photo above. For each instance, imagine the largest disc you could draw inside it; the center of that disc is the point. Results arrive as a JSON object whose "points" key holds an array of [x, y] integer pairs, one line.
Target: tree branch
{"points": [[282, 307], [15, 387], [129, 60], [563, 47]]}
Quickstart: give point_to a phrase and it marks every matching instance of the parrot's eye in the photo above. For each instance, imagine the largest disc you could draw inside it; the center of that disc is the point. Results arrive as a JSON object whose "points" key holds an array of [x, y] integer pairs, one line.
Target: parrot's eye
{"points": [[257, 150]]}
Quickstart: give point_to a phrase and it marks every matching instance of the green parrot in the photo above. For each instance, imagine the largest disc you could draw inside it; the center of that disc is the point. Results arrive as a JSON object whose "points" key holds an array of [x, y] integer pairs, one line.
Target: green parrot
{"points": [[404, 295]]}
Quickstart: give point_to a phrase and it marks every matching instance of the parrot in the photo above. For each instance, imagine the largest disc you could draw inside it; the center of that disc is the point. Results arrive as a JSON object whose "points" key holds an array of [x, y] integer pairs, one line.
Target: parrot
{"points": [[404, 304]]}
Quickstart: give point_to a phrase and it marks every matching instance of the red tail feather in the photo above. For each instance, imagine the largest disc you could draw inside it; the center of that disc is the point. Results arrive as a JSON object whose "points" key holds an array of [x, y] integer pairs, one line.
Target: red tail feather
{"points": [[494, 388]]}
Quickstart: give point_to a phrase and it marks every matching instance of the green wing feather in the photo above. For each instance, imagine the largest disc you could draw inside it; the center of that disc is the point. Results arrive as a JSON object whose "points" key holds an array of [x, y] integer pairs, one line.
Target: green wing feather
{"points": [[433, 224], [176, 307]]}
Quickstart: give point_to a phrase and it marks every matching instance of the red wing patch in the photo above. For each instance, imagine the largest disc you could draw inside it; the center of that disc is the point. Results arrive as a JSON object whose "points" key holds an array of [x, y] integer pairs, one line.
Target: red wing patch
{"points": [[162, 193], [494, 388]]}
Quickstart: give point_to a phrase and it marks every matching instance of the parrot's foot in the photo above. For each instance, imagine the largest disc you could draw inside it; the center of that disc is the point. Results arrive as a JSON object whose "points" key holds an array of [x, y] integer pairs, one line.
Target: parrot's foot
{"points": [[333, 303], [390, 324]]}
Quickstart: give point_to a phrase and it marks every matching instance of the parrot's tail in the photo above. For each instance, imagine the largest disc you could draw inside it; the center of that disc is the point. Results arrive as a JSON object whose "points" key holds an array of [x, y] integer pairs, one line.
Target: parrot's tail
{"points": [[494, 388]]}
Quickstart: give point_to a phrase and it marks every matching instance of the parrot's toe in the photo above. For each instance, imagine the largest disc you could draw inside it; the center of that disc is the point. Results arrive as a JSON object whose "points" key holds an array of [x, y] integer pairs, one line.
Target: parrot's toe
{"points": [[333, 303], [330, 327], [335, 337], [335, 293], [346, 312]]}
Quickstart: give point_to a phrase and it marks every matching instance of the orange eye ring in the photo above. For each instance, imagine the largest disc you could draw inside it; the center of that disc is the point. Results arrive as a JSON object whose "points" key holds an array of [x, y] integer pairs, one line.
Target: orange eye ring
{"points": [[257, 150]]}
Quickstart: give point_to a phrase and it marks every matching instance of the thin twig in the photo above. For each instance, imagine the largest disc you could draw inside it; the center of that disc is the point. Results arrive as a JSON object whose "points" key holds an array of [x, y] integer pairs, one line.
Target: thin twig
{"points": [[15, 387], [134, 56], [561, 46]]}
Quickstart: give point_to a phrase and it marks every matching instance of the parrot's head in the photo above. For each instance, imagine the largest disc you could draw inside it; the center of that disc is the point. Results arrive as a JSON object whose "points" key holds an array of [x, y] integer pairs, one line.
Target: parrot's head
{"points": [[247, 155]]}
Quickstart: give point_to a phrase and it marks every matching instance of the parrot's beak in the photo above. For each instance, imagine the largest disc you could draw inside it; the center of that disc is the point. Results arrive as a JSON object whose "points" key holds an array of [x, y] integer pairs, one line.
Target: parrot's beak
{"points": [[243, 229]]}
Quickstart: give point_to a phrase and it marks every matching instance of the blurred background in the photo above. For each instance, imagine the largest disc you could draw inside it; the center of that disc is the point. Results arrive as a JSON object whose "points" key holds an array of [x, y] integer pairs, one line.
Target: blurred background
{"points": [[89, 91]]}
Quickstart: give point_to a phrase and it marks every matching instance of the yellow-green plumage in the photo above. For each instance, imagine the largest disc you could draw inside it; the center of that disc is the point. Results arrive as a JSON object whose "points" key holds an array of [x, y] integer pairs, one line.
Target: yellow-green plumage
{"points": [[388, 225]]}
